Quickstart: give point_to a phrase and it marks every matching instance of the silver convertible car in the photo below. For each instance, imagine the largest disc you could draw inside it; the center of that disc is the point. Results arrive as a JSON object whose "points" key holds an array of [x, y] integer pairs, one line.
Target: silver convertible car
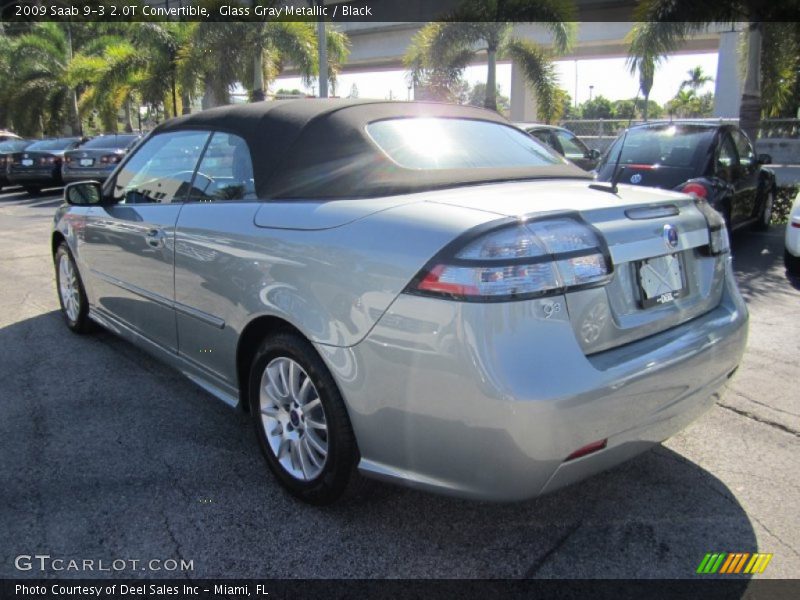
{"points": [[415, 292]]}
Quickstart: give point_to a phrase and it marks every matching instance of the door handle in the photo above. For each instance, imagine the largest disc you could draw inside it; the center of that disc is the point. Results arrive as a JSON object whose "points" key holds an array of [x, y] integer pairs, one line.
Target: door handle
{"points": [[155, 238]]}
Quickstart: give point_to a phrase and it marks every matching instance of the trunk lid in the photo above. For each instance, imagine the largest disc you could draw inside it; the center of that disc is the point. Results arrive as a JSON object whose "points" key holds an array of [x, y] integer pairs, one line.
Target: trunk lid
{"points": [[658, 240]]}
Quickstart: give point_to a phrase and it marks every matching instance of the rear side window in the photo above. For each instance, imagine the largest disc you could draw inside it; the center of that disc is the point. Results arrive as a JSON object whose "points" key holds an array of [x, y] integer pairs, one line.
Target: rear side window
{"points": [[226, 171], [747, 158], [437, 143], [572, 146], [161, 170]]}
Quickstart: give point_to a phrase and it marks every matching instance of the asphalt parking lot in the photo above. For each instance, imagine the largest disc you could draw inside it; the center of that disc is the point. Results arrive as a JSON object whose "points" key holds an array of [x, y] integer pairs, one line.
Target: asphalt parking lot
{"points": [[107, 454]]}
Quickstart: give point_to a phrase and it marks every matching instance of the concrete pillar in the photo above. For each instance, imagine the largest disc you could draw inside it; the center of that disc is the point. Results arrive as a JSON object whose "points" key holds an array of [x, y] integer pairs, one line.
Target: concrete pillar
{"points": [[523, 101], [728, 84]]}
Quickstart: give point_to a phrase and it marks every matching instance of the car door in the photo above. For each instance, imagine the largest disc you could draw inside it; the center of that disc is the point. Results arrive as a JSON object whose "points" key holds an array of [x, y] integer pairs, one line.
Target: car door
{"points": [[746, 176], [217, 267], [129, 241]]}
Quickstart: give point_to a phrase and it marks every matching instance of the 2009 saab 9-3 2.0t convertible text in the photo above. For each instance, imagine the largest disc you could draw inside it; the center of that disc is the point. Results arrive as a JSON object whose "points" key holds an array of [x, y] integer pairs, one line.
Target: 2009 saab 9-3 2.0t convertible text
{"points": [[421, 293]]}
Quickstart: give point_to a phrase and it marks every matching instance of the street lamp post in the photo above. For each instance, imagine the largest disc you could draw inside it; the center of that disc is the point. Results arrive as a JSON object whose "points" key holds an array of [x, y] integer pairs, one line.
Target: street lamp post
{"points": [[591, 90]]}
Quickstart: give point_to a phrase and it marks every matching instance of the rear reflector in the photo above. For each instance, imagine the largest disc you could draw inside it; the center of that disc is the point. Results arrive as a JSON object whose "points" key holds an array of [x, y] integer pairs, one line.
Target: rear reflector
{"points": [[588, 449]]}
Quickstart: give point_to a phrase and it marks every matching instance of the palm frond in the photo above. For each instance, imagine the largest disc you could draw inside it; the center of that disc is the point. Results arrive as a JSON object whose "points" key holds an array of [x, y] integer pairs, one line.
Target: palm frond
{"points": [[539, 70]]}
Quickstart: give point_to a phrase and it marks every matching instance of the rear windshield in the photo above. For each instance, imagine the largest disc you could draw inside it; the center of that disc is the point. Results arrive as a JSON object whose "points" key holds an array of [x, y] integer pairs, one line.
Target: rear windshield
{"points": [[111, 141], [441, 143], [669, 146], [13, 146], [60, 144]]}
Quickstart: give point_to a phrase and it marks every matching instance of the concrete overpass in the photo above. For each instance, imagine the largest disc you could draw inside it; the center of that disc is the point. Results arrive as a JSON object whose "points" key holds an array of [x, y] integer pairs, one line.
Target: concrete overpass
{"points": [[381, 46]]}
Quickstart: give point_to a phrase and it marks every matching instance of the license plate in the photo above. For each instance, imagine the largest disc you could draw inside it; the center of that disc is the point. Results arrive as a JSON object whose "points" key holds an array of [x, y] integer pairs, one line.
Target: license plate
{"points": [[661, 280], [87, 162], [27, 162]]}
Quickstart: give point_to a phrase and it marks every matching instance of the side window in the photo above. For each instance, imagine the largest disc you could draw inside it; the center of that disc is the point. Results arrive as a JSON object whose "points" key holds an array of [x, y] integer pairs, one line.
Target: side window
{"points": [[747, 158], [572, 146], [547, 139], [726, 158], [160, 171], [226, 171]]}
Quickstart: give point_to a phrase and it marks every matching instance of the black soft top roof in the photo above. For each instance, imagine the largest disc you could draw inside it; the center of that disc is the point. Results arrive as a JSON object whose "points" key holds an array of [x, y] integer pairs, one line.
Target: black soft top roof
{"points": [[317, 149]]}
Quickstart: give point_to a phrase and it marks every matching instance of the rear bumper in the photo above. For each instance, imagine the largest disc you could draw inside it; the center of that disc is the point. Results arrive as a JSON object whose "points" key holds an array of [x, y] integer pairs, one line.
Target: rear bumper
{"points": [[792, 238], [43, 177], [488, 400], [71, 175]]}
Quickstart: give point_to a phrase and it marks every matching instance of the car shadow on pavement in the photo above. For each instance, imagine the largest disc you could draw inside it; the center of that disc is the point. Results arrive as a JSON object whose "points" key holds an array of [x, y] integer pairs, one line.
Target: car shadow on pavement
{"points": [[758, 263], [46, 199], [116, 455]]}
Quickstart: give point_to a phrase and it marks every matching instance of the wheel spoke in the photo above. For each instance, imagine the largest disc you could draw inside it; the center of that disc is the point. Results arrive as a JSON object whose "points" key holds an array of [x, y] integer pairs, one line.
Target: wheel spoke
{"points": [[303, 458], [316, 443], [316, 424], [310, 453], [307, 408]]}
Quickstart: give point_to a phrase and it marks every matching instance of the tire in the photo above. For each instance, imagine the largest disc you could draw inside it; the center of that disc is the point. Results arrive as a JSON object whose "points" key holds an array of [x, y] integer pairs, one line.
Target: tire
{"points": [[309, 446], [32, 190], [72, 295], [792, 263], [765, 215]]}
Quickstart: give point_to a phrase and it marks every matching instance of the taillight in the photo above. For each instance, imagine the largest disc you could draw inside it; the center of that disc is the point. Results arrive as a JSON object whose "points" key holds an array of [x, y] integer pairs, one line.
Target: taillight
{"points": [[110, 159], [68, 159], [517, 260], [698, 190], [718, 240], [48, 160]]}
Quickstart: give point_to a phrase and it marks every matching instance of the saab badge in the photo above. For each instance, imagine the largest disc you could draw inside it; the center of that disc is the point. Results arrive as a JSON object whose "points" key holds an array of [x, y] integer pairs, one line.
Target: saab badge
{"points": [[637, 178], [670, 235]]}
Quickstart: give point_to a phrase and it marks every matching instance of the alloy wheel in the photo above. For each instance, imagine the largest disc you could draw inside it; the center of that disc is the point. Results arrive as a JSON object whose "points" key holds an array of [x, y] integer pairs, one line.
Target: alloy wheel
{"points": [[295, 424], [68, 288]]}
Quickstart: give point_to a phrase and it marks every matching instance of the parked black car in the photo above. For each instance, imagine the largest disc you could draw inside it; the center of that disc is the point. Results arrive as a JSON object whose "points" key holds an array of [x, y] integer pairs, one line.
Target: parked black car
{"points": [[98, 157], [566, 143], [7, 148], [39, 165], [714, 161]]}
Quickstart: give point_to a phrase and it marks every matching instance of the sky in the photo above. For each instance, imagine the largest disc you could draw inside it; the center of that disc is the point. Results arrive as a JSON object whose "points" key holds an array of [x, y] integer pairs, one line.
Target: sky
{"points": [[609, 76]]}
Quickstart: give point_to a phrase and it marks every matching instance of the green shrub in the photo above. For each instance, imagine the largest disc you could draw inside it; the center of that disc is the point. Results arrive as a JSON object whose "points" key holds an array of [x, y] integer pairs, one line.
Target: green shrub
{"points": [[783, 204]]}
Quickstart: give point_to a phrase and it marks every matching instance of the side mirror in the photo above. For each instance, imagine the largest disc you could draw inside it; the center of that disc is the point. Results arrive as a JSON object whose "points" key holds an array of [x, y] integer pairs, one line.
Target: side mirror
{"points": [[83, 193], [765, 159], [594, 154]]}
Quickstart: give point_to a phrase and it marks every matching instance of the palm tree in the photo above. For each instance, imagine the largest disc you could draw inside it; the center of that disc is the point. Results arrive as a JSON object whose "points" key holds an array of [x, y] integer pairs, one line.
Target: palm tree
{"points": [[664, 24], [646, 67], [441, 51], [696, 80], [40, 97]]}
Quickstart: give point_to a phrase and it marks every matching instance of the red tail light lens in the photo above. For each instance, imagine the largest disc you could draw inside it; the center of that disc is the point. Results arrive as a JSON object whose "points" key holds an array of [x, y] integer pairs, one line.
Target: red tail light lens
{"points": [[110, 159], [698, 190], [588, 449], [518, 260]]}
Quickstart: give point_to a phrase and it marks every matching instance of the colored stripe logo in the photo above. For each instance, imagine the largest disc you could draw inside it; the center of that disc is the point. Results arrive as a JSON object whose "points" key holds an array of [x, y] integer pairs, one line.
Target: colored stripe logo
{"points": [[732, 563]]}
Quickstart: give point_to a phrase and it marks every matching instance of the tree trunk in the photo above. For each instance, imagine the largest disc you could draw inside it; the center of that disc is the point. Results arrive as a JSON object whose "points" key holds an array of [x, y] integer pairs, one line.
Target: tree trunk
{"points": [[128, 117], [750, 106], [258, 78], [209, 97], [491, 79], [646, 103], [186, 104], [75, 118], [322, 43]]}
